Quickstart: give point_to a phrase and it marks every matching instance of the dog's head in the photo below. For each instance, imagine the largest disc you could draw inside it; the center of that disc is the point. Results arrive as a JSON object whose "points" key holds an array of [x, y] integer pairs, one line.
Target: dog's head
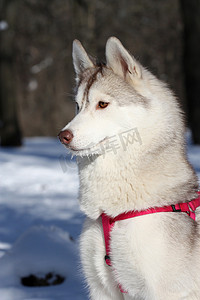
{"points": [[113, 99]]}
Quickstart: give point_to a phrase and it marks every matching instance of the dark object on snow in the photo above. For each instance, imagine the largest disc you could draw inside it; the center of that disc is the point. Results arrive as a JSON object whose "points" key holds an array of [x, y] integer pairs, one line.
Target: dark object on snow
{"points": [[45, 280]]}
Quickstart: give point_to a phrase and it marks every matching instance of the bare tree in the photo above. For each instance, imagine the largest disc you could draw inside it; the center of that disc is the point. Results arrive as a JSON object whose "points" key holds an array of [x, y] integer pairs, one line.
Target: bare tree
{"points": [[36, 51], [191, 19], [10, 131]]}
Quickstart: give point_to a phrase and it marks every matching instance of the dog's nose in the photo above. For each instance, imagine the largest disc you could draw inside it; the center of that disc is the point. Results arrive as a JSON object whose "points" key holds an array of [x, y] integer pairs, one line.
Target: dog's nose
{"points": [[65, 136]]}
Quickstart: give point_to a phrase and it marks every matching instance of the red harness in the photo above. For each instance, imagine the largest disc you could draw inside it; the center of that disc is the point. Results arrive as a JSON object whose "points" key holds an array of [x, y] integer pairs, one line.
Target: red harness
{"points": [[108, 222]]}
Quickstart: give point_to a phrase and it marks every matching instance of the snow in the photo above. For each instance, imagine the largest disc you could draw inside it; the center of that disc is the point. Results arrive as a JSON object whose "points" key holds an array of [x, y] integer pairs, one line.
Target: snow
{"points": [[42, 65], [3, 25], [32, 85], [40, 220]]}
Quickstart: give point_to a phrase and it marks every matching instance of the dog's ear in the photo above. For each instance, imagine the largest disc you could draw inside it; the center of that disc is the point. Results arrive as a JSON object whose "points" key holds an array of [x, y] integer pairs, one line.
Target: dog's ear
{"points": [[81, 60], [120, 61]]}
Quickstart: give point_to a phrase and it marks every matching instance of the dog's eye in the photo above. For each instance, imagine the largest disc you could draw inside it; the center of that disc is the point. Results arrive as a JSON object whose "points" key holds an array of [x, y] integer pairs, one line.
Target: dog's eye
{"points": [[102, 104]]}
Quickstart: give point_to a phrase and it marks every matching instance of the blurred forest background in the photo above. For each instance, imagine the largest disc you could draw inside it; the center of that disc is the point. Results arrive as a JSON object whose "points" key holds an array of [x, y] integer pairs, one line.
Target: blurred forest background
{"points": [[37, 77]]}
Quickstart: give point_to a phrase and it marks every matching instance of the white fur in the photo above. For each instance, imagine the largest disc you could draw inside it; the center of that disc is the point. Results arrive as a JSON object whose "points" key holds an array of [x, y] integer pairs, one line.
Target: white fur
{"points": [[154, 257]]}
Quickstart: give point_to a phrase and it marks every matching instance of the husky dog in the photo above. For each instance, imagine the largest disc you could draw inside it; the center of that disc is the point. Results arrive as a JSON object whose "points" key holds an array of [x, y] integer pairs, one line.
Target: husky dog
{"points": [[128, 136]]}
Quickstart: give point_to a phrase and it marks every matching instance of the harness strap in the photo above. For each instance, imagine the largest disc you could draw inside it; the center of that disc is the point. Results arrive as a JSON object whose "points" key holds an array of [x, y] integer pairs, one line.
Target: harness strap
{"points": [[107, 227], [188, 207], [108, 222]]}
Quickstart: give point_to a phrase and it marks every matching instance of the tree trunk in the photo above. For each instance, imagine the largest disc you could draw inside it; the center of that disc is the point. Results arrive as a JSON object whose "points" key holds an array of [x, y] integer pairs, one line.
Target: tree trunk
{"points": [[84, 22], [191, 20], [10, 131]]}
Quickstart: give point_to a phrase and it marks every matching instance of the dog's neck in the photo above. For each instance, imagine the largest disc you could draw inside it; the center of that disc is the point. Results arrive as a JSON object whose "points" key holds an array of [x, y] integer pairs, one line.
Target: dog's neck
{"points": [[115, 183]]}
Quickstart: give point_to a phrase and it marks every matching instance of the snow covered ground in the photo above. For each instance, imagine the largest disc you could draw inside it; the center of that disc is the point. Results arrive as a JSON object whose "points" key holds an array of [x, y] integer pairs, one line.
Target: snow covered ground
{"points": [[40, 219]]}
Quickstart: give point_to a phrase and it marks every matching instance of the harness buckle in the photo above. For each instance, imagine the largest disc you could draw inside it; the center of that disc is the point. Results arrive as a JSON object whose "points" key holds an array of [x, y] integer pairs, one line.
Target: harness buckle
{"points": [[107, 260], [174, 209]]}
